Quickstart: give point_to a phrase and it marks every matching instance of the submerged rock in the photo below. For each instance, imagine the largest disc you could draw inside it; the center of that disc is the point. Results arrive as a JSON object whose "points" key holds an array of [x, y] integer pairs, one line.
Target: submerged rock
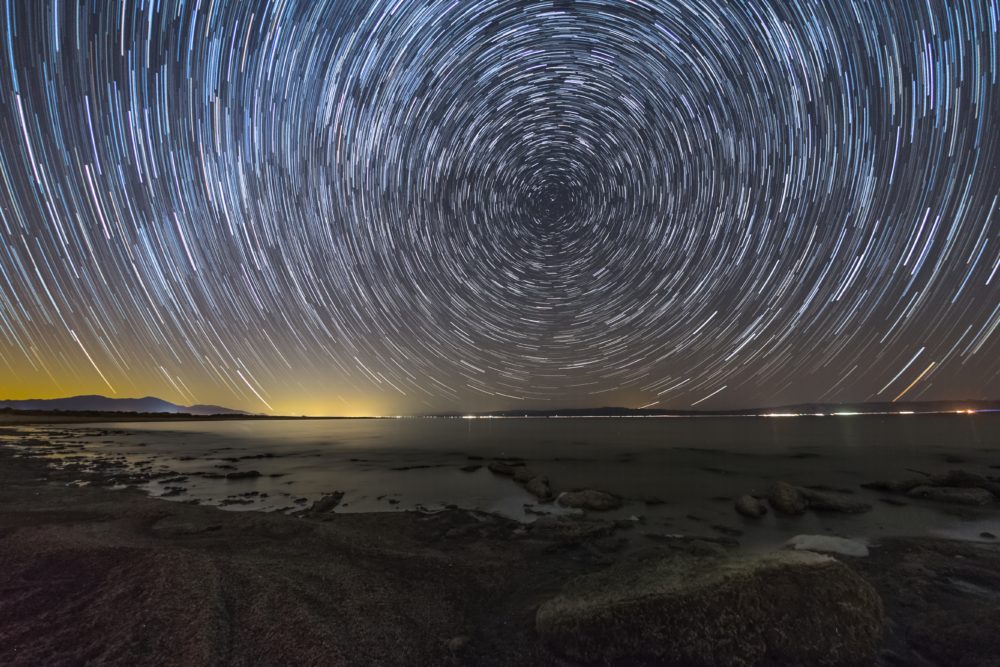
{"points": [[245, 474], [828, 544], [786, 499], [790, 608], [524, 474], [751, 507], [599, 501], [539, 487], [828, 502], [500, 468], [951, 494], [959, 479]]}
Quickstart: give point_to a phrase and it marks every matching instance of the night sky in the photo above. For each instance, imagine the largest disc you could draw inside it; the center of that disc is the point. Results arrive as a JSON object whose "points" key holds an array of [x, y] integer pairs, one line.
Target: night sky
{"points": [[381, 207]]}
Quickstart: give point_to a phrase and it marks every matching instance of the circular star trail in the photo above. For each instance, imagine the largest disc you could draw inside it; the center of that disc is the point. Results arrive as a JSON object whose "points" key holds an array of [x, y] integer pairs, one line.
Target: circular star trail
{"points": [[418, 205]]}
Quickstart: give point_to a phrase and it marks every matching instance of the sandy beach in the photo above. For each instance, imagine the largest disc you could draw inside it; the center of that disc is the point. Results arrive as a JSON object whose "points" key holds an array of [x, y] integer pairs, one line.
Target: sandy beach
{"points": [[100, 576]]}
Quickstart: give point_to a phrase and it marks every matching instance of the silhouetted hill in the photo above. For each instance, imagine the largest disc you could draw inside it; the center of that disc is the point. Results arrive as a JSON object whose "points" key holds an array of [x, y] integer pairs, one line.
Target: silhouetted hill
{"points": [[94, 403]]}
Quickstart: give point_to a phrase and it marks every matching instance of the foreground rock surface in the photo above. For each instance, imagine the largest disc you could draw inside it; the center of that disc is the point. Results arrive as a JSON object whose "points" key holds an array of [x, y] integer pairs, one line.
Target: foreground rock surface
{"points": [[787, 608]]}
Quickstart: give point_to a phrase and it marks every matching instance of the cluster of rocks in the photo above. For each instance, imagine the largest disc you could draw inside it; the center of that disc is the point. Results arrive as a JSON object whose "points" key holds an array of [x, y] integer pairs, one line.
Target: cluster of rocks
{"points": [[540, 487], [792, 500], [535, 484], [955, 486]]}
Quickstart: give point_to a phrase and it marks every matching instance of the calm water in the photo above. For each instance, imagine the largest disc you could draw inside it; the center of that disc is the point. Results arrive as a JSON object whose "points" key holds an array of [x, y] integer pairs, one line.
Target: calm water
{"points": [[697, 466]]}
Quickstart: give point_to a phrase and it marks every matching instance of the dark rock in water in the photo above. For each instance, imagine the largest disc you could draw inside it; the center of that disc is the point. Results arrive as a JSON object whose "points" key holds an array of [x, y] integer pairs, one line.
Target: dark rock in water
{"points": [[951, 494], [786, 499], [505, 469], [751, 507], [953, 478], [965, 480], [599, 501], [524, 475], [898, 486], [832, 503], [243, 474], [539, 487], [470, 468], [786, 608], [987, 536], [653, 500], [327, 503]]}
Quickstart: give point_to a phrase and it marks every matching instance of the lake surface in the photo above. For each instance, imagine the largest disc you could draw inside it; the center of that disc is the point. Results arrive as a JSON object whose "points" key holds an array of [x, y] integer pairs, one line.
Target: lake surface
{"points": [[697, 466]]}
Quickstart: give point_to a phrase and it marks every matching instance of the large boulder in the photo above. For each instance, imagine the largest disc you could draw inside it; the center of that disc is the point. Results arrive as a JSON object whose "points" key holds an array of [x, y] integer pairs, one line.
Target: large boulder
{"points": [[953, 494], [599, 501], [786, 499], [785, 608]]}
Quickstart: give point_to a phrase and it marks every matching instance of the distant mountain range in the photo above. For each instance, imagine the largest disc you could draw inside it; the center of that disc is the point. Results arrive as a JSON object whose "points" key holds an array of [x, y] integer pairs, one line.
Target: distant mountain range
{"points": [[797, 409], [149, 404]]}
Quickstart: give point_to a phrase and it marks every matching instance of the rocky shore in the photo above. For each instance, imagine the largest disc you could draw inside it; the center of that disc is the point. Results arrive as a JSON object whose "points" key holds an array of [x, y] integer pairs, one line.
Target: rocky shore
{"points": [[91, 575]]}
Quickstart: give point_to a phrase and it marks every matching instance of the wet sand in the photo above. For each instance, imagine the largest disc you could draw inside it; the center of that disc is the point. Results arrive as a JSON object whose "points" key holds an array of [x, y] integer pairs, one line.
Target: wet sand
{"points": [[116, 577]]}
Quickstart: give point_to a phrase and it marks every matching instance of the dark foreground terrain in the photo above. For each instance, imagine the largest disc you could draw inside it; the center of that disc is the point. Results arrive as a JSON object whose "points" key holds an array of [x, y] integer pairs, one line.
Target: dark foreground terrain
{"points": [[94, 576]]}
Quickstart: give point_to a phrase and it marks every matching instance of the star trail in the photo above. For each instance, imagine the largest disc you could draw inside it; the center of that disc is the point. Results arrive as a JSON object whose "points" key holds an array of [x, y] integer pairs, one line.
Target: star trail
{"points": [[403, 206]]}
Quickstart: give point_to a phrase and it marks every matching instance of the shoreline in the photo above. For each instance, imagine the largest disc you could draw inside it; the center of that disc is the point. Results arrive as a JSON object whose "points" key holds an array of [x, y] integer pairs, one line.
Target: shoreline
{"points": [[88, 570]]}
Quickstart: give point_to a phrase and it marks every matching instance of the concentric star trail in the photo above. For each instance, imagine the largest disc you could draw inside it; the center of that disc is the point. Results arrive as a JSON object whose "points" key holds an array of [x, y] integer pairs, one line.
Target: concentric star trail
{"points": [[298, 205]]}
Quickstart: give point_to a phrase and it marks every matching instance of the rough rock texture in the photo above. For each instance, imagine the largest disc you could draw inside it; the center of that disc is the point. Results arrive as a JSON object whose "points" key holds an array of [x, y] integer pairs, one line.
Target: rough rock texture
{"points": [[751, 507], [786, 499], [828, 502], [952, 494], [788, 608], [599, 501], [828, 544]]}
